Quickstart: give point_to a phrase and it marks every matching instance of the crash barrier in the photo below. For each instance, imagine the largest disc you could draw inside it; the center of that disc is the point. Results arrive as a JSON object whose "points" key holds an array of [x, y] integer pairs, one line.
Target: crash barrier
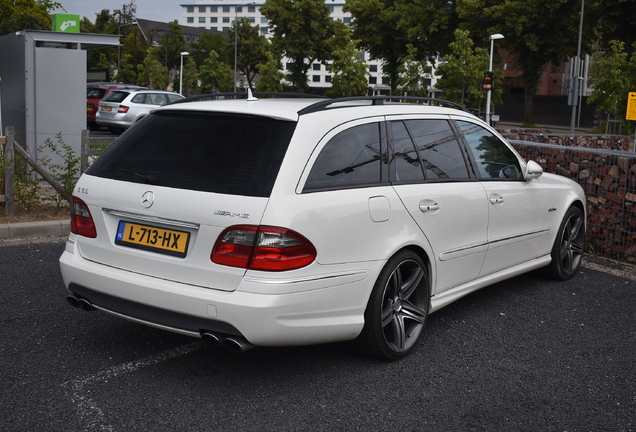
{"points": [[608, 178]]}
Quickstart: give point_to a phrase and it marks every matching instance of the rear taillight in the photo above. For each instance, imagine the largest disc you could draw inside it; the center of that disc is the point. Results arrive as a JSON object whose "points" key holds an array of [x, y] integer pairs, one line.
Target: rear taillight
{"points": [[123, 109], [263, 248], [81, 220]]}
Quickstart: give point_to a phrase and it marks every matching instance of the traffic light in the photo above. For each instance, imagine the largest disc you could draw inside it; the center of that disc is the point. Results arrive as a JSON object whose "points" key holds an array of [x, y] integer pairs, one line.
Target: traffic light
{"points": [[487, 83]]}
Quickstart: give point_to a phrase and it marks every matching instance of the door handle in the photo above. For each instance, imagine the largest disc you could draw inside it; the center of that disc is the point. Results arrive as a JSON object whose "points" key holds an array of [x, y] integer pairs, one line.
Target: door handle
{"points": [[496, 199], [428, 205]]}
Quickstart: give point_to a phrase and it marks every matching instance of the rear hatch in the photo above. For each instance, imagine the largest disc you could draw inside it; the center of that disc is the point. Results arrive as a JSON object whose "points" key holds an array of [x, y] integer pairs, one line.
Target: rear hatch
{"points": [[109, 106], [163, 192]]}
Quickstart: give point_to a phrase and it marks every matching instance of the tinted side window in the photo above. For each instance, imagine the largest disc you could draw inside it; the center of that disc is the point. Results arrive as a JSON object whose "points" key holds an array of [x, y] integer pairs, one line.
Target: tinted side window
{"points": [[440, 152], [350, 158], [493, 157], [140, 99], [407, 162]]}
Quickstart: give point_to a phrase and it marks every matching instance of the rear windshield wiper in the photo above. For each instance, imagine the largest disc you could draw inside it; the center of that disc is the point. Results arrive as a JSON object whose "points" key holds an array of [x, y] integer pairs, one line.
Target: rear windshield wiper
{"points": [[147, 178]]}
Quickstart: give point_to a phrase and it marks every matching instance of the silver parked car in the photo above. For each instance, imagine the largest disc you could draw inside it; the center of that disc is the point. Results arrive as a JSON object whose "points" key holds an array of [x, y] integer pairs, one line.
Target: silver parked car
{"points": [[121, 109]]}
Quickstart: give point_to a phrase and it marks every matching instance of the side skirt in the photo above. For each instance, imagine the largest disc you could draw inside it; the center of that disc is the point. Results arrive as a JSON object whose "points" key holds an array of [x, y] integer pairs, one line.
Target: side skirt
{"points": [[447, 297]]}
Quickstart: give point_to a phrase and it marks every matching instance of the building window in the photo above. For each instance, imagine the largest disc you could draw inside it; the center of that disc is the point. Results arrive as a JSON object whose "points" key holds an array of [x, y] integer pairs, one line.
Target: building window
{"points": [[386, 80], [263, 20], [346, 20], [226, 19], [264, 30], [201, 19], [190, 20], [239, 9], [251, 19], [373, 68], [214, 9], [251, 8], [315, 78], [202, 9], [361, 56], [214, 19], [225, 29], [373, 80], [190, 9], [226, 8], [328, 78], [316, 66]]}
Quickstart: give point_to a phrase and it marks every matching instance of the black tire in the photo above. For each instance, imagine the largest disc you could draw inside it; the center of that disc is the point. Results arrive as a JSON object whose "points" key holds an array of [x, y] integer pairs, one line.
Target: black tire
{"points": [[569, 245], [93, 126], [397, 309], [115, 131]]}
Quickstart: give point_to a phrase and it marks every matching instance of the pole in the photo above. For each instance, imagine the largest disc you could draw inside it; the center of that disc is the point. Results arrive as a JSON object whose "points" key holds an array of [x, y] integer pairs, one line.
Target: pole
{"points": [[181, 76], [575, 80], [235, 43], [492, 46]]}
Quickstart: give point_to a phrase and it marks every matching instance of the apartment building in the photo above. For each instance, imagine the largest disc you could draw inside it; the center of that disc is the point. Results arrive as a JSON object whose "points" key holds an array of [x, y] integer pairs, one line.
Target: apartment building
{"points": [[219, 15]]}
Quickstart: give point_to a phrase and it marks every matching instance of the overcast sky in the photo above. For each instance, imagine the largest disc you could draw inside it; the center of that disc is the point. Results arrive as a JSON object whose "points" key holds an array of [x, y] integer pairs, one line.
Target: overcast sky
{"points": [[156, 10]]}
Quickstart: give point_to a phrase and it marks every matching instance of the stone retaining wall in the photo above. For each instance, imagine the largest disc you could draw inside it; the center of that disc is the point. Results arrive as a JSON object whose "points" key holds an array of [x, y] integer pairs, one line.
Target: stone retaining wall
{"points": [[606, 142], [609, 180]]}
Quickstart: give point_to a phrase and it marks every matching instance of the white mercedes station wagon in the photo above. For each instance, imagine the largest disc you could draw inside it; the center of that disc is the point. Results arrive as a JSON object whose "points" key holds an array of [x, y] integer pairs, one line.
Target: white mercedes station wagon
{"points": [[296, 221]]}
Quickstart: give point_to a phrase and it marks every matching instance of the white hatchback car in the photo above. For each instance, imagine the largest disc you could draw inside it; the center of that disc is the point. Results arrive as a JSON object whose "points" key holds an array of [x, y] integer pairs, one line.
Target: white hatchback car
{"points": [[121, 109], [303, 221]]}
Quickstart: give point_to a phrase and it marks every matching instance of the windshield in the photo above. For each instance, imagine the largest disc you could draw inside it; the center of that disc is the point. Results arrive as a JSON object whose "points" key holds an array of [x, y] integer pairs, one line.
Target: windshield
{"points": [[212, 152]]}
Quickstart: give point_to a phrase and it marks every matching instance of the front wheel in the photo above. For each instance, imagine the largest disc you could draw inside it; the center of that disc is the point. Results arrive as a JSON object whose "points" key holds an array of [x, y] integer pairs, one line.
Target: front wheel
{"points": [[567, 251], [397, 308]]}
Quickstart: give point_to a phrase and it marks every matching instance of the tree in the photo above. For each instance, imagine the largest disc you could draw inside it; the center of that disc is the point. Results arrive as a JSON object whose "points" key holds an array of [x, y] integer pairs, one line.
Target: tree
{"points": [[376, 24], [462, 72], [251, 48], [348, 68], [536, 32], [271, 76], [175, 44], [412, 75], [16, 15], [209, 42], [152, 73], [190, 77], [215, 75], [613, 78], [127, 72], [617, 22], [301, 29]]}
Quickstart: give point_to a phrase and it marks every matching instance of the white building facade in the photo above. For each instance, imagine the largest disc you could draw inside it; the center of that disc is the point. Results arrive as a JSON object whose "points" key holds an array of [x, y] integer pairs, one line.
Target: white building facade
{"points": [[219, 15]]}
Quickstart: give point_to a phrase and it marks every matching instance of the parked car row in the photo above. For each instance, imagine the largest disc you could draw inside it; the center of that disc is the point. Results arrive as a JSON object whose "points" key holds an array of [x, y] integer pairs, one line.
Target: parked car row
{"points": [[119, 106]]}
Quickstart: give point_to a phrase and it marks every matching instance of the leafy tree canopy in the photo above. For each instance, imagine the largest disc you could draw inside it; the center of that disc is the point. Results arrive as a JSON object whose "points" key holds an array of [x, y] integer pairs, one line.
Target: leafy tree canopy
{"points": [[16, 15], [301, 30]]}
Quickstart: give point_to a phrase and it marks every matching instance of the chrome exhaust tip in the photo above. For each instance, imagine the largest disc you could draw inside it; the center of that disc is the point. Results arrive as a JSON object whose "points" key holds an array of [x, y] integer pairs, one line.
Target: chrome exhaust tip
{"points": [[237, 345], [73, 301], [211, 339], [85, 305]]}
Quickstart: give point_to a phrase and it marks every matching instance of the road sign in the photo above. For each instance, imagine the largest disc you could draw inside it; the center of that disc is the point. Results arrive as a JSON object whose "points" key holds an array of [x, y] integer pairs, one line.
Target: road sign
{"points": [[65, 23], [631, 106]]}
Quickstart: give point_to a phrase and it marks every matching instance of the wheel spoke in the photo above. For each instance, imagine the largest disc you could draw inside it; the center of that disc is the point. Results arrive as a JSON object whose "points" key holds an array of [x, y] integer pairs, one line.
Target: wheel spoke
{"points": [[414, 313], [399, 333], [409, 286], [387, 314]]}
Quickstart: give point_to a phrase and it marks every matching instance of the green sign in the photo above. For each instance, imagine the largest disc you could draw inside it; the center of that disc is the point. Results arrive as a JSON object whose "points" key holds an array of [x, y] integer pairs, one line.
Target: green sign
{"points": [[65, 23]]}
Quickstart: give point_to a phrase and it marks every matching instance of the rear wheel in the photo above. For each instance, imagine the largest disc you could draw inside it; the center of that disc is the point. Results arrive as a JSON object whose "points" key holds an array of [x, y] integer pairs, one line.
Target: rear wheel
{"points": [[567, 251], [397, 308]]}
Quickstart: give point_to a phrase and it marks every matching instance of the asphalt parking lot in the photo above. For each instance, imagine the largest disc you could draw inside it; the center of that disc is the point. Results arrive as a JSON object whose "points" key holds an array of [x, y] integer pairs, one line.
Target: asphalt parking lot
{"points": [[527, 354]]}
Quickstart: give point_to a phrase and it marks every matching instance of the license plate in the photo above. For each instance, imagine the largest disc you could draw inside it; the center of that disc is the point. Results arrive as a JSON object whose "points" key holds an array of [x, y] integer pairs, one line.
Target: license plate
{"points": [[154, 239], [107, 108]]}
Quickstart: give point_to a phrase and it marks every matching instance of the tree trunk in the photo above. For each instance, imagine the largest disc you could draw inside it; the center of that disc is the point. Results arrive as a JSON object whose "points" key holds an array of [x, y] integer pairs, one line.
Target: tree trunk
{"points": [[528, 118]]}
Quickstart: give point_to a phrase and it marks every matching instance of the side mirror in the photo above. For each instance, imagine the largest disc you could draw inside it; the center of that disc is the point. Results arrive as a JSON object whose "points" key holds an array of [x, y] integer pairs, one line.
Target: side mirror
{"points": [[533, 171]]}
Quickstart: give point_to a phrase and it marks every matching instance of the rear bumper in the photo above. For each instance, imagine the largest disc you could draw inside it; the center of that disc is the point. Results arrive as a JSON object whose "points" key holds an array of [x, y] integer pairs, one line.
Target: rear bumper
{"points": [[322, 314]]}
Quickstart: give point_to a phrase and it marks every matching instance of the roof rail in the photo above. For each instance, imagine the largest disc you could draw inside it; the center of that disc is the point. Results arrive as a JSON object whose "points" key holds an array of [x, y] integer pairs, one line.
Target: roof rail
{"points": [[245, 95], [378, 100]]}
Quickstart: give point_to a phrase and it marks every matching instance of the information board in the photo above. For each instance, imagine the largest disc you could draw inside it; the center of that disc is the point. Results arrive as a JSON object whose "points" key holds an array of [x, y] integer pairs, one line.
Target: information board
{"points": [[631, 106]]}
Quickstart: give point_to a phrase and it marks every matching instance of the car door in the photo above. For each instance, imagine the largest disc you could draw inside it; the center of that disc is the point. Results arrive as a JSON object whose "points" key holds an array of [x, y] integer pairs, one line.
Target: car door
{"points": [[431, 175], [516, 216]]}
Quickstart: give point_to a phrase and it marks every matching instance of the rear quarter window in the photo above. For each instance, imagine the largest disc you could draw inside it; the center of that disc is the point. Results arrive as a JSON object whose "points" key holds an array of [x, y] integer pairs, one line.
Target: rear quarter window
{"points": [[116, 96]]}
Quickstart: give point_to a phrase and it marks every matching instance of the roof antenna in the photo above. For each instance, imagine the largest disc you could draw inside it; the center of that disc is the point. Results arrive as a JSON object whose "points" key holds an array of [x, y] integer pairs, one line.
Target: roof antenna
{"points": [[250, 96]]}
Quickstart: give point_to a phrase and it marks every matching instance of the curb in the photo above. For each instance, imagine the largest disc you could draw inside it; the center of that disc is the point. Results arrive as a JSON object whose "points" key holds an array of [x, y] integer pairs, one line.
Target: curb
{"points": [[22, 230]]}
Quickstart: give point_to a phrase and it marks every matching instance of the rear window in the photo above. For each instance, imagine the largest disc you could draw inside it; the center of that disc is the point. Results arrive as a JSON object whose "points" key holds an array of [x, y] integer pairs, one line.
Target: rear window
{"points": [[116, 96], [95, 93], [210, 152]]}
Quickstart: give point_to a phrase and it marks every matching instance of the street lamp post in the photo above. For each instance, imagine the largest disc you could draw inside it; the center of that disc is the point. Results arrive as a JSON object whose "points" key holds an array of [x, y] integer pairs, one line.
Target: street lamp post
{"points": [[493, 37], [119, 45], [185, 53]]}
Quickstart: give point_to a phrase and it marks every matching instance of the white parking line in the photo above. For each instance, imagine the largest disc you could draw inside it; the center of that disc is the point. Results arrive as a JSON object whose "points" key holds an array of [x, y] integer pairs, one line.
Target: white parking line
{"points": [[91, 416], [624, 273]]}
